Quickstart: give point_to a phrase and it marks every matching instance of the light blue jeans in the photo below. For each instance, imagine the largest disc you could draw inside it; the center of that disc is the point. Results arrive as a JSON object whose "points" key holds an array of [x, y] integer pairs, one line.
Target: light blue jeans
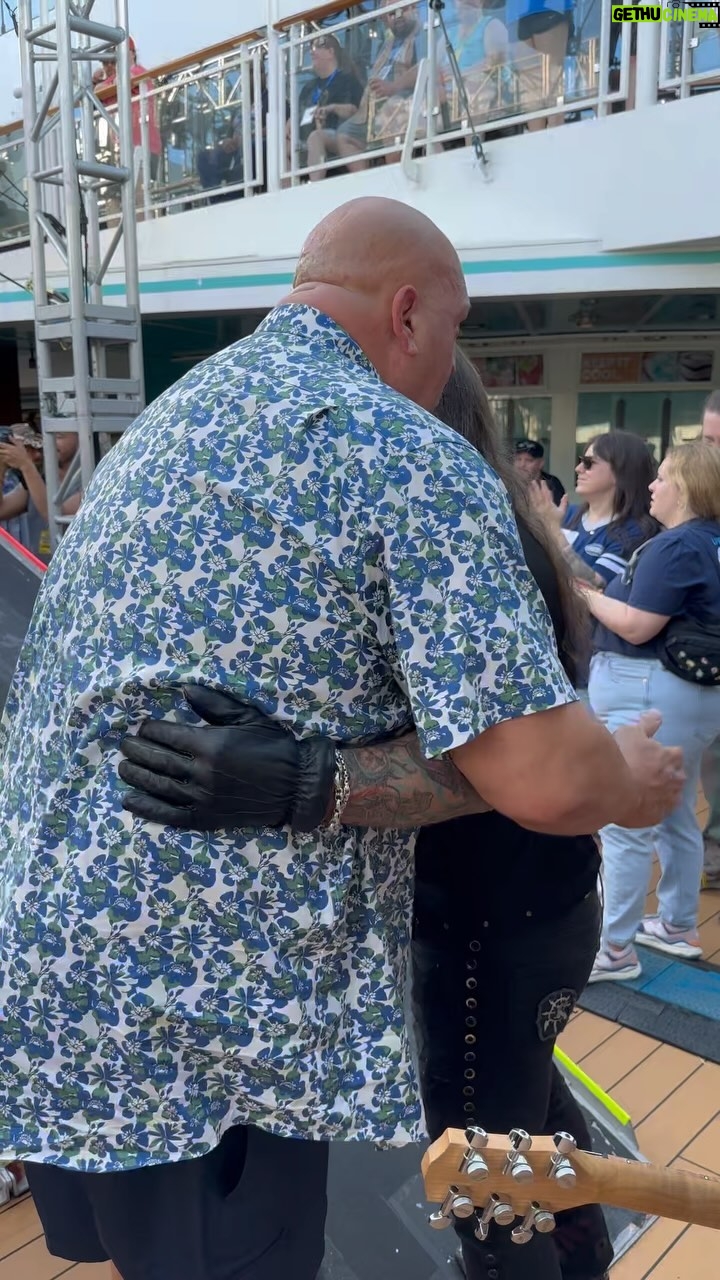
{"points": [[621, 689]]}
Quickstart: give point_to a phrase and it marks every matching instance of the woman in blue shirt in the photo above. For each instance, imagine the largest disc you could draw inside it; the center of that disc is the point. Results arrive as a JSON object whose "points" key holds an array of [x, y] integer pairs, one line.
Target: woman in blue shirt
{"points": [[676, 575], [598, 535]]}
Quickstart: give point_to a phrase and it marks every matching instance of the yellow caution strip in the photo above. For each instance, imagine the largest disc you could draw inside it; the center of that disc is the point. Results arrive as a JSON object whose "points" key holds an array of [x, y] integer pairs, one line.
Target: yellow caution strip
{"points": [[610, 1105]]}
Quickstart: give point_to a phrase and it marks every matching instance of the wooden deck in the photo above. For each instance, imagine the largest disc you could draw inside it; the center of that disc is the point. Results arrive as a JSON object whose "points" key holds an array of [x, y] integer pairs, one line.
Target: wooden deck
{"points": [[674, 1101]]}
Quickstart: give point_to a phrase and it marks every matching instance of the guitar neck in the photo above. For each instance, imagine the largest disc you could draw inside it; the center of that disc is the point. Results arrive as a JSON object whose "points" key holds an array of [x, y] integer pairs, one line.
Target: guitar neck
{"points": [[664, 1193]]}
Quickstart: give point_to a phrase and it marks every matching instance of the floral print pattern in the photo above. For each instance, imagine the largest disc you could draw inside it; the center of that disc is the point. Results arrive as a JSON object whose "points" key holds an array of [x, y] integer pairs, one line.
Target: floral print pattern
{"points": [[281, 523]]}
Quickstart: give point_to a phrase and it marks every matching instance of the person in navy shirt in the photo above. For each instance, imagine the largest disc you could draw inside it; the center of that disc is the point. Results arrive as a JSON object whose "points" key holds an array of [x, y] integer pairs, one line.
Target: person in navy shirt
{"points": [[674, 575], [598, 535], [711, 762]]}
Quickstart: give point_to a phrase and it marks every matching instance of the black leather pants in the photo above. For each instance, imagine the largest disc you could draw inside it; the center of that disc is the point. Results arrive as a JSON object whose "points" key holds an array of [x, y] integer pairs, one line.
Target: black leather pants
{"points": [[489, 1003]]}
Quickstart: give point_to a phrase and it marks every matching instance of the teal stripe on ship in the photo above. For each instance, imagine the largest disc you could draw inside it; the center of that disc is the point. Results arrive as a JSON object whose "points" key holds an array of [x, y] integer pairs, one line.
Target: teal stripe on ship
{"points": [[498, 266]]}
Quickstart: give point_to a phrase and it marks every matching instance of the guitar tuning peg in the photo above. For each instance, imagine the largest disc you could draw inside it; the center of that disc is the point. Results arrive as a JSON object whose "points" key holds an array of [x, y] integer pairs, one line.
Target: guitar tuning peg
{"points": [[504, 1214], [516, 1165], [482, 1230], [536, 1219], [560, 1167], [441, 1218], [486, 1217], [565, 1143], [473, 1164], [544, 1221], [461, 1205], [522, 1234], [520, 1139]]}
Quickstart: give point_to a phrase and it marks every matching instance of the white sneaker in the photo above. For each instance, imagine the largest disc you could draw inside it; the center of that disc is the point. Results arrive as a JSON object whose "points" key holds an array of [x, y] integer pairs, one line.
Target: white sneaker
{"points": [[611, 965], [653, 932]]}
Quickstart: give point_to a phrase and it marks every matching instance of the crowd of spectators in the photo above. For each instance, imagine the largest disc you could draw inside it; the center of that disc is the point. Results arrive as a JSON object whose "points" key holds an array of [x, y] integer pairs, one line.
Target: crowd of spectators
{"points": [[352, 85], [525, 64]]}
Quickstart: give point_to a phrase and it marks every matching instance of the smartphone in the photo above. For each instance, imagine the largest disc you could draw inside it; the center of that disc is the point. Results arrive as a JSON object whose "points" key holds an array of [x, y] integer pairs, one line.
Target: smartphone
{"points": [[6, 435]]}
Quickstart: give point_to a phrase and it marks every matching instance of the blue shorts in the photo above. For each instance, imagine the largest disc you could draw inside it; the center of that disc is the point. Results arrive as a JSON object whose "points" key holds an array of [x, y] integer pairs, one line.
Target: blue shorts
{"points": [[254, 1207]]}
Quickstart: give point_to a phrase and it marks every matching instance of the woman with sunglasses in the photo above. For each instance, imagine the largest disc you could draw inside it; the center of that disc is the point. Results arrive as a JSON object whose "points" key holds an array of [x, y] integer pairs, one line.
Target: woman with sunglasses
{"points": [[598, 535], [676, 575]]}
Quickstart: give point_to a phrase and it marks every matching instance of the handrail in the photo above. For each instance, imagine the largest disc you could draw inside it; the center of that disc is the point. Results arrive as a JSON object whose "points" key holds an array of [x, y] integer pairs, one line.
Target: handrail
{"points": [[15, 126], [409, 164], [314, 14], [201, 56], [208, 54]]}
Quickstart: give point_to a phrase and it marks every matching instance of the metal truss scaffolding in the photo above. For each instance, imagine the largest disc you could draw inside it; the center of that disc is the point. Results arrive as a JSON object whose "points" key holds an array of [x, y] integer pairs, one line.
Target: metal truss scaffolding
{"points": [[89, 353]]}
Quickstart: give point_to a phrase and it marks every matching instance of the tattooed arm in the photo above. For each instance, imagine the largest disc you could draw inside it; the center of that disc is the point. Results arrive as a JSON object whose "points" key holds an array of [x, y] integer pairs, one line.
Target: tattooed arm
{"points": [[552, 517], [393, 785], [575, 776], [578, 567], [557, 771]]}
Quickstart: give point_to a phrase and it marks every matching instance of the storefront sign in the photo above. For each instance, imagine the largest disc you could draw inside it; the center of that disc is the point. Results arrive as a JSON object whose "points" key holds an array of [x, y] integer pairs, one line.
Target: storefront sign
{"points": [[616, 368], [510, 371]]}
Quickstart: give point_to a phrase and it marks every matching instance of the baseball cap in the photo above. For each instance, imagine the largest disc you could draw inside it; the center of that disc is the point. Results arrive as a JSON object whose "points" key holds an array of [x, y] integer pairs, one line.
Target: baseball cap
{"points": [[31, 438], [531, 447]]}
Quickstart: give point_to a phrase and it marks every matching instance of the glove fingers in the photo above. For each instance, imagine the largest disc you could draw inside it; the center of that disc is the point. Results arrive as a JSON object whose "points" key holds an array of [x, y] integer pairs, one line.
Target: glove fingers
{"points": [[141, 750], [185, 739], [152, 810], [220, 707], [156, 785]]}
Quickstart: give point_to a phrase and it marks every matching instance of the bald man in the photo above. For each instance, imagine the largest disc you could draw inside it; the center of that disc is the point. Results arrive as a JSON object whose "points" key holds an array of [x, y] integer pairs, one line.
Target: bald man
{"points": [[188, 1017]]}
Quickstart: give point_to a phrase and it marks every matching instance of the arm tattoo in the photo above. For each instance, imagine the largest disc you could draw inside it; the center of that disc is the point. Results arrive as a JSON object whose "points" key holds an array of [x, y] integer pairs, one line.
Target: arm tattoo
{"points": [[393, 785], [580, 569]]}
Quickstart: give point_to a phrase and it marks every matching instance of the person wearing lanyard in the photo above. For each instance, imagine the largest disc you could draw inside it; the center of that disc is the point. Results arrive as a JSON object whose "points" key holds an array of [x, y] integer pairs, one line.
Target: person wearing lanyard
{"points": [[390, 85], [333, 95]]}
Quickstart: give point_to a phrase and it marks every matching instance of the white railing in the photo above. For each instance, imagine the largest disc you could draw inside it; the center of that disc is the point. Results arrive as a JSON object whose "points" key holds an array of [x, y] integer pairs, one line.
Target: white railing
{"points": [[257, 118], [14, 222], [198, 136], [689, 58]]}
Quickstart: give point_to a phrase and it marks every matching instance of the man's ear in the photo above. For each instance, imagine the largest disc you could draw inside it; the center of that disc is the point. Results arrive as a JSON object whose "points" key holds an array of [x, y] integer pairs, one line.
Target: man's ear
{"points": [[404, 308]]}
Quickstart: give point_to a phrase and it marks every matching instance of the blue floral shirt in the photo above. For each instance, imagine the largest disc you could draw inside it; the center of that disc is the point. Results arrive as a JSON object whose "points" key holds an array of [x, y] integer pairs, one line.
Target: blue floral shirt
{"points": [[282, 523]]}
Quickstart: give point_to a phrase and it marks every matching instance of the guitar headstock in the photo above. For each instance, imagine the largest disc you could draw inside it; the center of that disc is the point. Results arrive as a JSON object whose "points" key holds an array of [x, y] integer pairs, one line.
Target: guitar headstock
{"points": [[490, 1178]]}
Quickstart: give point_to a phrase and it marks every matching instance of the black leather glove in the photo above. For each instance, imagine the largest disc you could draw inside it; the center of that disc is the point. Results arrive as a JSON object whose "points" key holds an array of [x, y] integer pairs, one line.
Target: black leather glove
{"points": [[240, 769]]}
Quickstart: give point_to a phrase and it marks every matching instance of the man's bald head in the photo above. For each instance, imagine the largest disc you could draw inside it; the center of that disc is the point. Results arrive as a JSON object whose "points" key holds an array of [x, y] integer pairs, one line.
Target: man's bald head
{"points": [[357, 245], [393, 281]]}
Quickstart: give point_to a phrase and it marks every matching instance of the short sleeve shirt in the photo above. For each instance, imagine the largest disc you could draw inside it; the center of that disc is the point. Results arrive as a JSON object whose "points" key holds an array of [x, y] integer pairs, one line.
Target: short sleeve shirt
{"points": [[282, 524], [606, 547], [342, 88], [676, 574]]}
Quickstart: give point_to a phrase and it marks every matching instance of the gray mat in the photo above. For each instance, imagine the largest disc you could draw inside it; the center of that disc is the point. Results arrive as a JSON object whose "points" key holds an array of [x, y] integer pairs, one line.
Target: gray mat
{"points": [[665, 1022]]}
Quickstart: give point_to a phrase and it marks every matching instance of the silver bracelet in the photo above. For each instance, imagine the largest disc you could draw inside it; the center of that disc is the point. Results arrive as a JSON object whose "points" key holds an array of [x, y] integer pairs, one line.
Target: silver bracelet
{"points": [[341, 791]]}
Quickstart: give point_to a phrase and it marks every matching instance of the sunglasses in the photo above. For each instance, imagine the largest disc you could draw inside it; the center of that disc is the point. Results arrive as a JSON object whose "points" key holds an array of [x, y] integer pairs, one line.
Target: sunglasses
{"points": [[322, 43], [587, 461]]}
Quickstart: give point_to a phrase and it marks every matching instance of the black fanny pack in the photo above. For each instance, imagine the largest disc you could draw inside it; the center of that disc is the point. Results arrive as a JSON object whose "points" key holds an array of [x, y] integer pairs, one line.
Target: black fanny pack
{"points": [[691, 650], [688, 648]]}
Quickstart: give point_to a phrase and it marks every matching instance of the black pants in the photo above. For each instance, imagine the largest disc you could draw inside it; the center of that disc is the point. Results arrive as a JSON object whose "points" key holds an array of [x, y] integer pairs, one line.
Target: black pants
{"points": [[489, 1002], [254, 1207]]}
